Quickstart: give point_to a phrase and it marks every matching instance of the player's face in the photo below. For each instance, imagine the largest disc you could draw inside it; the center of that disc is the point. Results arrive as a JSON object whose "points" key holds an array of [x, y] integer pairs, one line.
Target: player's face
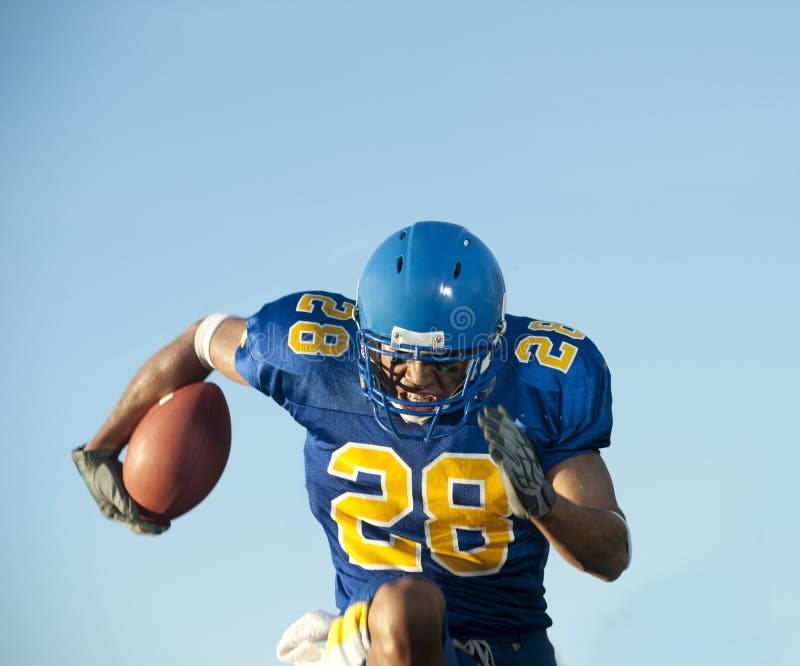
{"points": [[422, 381]]}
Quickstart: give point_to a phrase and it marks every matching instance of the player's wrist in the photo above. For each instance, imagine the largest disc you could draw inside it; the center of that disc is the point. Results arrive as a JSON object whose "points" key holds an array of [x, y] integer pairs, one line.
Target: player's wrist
{"points": [[103, 443], [95, 453]]}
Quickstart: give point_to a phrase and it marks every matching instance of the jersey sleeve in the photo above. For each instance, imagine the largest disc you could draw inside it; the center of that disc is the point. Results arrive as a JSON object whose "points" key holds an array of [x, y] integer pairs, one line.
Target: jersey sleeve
{"points": [[565, 392], [300, 350], [586, 412], [258, 357]]}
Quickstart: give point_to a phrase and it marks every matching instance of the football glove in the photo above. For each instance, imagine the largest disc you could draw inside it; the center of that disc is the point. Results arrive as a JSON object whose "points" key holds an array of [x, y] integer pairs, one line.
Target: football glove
{"points": [[102, 473], [530, 494]]}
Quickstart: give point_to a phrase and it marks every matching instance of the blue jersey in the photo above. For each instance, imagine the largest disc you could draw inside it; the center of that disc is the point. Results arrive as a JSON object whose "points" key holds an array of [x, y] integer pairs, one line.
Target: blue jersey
{"points": [[391, 506]]}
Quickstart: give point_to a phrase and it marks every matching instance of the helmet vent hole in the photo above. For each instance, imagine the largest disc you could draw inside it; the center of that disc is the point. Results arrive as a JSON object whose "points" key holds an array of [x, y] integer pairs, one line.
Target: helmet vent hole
{"points": [[457, 270], [400, 263], [466, 242], [403, 235]]}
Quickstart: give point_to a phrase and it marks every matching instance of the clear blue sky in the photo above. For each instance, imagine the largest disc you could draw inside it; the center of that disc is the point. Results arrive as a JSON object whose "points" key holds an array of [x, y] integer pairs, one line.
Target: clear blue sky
{"points": [[634, 167]]}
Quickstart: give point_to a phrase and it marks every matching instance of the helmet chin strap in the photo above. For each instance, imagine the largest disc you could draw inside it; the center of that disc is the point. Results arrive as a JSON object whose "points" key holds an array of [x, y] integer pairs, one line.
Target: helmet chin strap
{"points": [[413, 418]]}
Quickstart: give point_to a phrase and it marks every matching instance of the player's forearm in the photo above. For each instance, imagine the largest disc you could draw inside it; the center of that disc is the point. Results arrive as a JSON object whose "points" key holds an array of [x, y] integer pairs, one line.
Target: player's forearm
{"points": [[593, 540], [170, 368]]}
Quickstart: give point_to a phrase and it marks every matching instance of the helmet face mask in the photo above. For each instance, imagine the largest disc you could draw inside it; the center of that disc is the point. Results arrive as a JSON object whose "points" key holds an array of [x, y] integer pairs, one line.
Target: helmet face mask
{"points": [[381, 386], [431, 294]]}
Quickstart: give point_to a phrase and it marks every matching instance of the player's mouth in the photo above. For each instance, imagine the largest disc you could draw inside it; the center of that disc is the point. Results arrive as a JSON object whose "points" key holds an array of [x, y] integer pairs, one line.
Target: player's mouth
{"points": [[420, 398]]}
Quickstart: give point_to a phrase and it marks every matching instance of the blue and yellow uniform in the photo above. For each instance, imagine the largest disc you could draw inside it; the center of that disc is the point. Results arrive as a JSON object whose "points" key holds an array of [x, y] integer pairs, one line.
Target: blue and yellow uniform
{"points": [[436, 508]]}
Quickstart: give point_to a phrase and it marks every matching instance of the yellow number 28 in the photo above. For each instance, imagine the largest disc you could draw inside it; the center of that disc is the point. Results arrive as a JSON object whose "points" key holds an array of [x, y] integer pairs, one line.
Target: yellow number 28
{"points": [[485, 517]]}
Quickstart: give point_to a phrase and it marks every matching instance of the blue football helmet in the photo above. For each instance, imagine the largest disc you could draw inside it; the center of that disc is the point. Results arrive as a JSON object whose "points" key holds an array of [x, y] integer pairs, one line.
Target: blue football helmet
{"points": [[431, 292]]}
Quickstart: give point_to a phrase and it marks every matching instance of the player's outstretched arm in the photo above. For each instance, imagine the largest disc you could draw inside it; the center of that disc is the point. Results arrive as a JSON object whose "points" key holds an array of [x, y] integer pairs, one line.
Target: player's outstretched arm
{"points": [[174, 366], [573, 505]]}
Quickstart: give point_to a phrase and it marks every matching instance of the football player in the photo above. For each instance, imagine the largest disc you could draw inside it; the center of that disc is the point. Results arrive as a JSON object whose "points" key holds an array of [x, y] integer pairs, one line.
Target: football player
{"points": [[448, 446]]}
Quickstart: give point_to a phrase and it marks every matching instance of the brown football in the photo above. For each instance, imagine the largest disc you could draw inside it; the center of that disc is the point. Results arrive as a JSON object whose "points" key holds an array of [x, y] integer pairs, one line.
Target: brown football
{"points": [[178, 451]]}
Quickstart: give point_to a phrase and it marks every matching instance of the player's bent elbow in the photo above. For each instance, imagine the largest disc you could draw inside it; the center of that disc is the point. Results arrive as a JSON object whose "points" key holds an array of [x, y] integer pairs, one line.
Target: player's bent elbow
{"points": [[618, 558], [606, 575], [615, 567], [607, 563], [610, 576]]}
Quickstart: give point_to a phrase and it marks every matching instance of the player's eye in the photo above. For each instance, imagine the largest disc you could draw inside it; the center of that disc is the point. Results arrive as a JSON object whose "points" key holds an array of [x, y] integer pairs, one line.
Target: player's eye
{"points": [[447, 368]]}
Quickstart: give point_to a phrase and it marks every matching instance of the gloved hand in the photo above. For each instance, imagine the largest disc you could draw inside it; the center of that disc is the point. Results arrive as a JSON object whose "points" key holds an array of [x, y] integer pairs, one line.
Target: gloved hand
{"points": [[530, 494], [102, 472]]}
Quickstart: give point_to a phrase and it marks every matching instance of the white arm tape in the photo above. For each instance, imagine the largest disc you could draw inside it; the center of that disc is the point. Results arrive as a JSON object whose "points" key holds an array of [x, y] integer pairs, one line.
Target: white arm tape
{"points": [[627, 534], [202, 338]]}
